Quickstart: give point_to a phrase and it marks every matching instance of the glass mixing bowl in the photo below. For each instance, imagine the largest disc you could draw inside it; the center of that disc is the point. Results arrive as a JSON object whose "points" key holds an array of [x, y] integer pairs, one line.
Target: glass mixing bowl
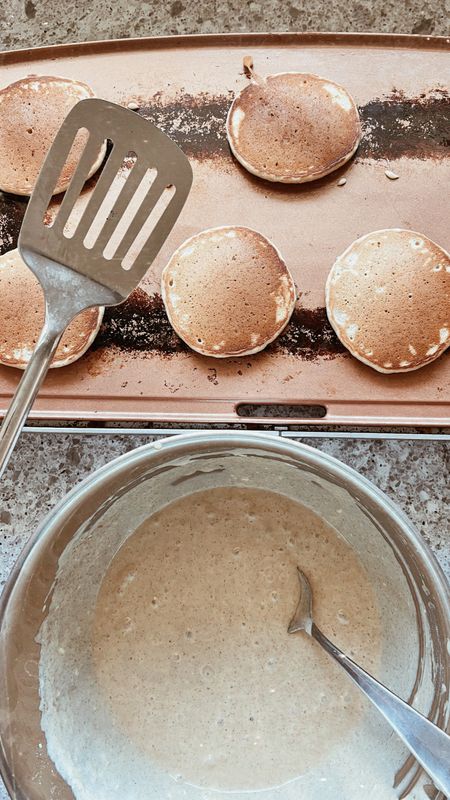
{"points": [[411, 590]]}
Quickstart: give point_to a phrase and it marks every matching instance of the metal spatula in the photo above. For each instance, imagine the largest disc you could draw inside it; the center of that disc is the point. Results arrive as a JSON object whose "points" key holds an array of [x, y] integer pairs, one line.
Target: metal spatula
{"points": [[100, 263]]}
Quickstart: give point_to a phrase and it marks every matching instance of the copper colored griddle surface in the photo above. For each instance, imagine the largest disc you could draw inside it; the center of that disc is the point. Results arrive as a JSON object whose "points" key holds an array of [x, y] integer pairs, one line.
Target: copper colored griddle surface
{"points": [[138, 369]]}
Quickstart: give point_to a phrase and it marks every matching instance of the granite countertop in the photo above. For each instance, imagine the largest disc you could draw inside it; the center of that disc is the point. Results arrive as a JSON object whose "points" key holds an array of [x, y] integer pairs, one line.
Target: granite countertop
{"points": [[25, 23], [45, 466]]}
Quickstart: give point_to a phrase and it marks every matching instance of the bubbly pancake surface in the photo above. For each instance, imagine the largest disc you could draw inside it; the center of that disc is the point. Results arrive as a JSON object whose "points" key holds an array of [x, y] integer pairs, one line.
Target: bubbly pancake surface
{"points": [[22, 318], [228, 292], [31, 113], [388, 299], [293, 127]]}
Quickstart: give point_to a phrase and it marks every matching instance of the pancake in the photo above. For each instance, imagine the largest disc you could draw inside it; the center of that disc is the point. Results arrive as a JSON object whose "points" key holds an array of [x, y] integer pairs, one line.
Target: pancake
{"points": [[22, 318], [388, 299], [31, 113], [293, 127], [228, 292]]}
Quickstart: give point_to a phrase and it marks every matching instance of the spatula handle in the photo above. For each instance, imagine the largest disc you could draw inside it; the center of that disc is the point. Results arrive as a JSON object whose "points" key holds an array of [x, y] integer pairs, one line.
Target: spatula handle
{"points": [[27, 390], [428, 743]]}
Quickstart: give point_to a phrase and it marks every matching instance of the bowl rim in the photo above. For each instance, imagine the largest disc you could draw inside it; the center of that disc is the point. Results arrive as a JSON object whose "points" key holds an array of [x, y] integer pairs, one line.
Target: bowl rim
{"points": [[175, 446]]}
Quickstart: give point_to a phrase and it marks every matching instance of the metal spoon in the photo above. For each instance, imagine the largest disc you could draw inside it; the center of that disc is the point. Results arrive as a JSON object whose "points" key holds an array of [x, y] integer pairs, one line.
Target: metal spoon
{"points": [[428, 743]]}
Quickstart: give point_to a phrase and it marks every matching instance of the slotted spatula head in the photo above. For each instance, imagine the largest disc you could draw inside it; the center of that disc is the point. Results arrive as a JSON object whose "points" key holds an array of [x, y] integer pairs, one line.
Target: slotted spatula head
{"points": [[97, 258], [124, 223]]}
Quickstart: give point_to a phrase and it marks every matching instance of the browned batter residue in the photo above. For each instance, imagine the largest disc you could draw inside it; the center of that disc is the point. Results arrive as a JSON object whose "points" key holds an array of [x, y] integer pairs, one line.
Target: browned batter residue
{"points": [[141, 325], [394, 126], [309, 336], [12, 210], [401, 126], [195, 122]]}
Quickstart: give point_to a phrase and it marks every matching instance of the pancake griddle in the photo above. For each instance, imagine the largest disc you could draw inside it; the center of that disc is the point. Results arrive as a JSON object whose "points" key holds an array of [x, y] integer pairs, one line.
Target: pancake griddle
{"points": [[138, 369]]}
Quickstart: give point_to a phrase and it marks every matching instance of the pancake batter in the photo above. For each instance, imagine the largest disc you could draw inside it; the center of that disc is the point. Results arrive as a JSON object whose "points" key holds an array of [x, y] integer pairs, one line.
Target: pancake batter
{"points": [[190, 644]]}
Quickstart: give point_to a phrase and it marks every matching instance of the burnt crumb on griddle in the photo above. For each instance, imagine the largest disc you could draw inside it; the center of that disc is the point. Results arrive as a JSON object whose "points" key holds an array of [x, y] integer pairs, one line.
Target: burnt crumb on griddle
{"points": [[140, 324], [406, 127], [394, 126], [195, 122], [308, 336], [12, 210], [212, 376]]}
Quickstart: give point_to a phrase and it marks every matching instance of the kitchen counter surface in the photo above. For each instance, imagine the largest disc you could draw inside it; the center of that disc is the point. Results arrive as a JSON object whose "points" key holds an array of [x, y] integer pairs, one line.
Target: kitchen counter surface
{"points": [[45, 466], [28, 23]]}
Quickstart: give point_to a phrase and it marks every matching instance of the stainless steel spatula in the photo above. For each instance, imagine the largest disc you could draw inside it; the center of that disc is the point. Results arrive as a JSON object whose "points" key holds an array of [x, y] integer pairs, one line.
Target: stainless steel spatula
{"points": [[119, 234]]}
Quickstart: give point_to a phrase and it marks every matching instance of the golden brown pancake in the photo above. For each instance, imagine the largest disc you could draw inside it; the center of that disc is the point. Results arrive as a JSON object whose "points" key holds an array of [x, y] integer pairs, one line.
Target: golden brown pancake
{"points": [[228, 292], [31, 113], [388, 299], [22, 318], [293, 127]]}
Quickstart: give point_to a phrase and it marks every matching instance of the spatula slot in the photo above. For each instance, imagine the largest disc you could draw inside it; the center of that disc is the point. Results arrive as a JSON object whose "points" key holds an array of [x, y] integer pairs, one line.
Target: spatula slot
{"points": [[129, 212], [79, 143], [148, 227], [105, 210], [76, 214], [82, 167]]}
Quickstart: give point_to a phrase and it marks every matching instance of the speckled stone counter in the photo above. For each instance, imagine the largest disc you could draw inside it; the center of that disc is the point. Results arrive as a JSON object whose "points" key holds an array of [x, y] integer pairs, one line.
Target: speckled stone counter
{"points": [[45, 466], [26, 23]]}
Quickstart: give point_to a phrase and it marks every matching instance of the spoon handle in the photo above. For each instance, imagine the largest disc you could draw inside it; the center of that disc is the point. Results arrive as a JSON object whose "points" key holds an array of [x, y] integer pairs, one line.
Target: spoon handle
{"points": [[428, 743]]}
